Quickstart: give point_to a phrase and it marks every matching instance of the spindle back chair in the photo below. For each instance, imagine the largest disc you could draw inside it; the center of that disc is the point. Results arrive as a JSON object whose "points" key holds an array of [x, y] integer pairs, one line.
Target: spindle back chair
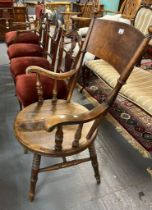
{"points": [[128, 9], [61, 128]]}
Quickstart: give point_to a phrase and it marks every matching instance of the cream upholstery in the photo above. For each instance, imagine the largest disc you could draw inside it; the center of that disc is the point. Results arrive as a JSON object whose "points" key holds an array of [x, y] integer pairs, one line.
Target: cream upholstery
{"points": [[143, 20], [83, 31], [138, 88]]}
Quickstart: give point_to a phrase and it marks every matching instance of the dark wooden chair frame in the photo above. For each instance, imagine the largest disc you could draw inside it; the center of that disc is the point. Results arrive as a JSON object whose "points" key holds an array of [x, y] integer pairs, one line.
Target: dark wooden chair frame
{"points": [[118, 44]]}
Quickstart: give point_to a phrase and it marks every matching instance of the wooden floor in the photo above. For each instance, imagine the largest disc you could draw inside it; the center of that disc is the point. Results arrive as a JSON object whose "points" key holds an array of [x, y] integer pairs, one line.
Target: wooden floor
{"points": [[125, 184]]}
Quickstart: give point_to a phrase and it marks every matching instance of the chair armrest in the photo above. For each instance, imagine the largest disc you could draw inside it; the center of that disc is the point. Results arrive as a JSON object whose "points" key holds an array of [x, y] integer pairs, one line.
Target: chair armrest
{"points": [[51, 74], [75, 18], [66, 119], [129, 17], [110, 11], [70, 13], [24, 31]]}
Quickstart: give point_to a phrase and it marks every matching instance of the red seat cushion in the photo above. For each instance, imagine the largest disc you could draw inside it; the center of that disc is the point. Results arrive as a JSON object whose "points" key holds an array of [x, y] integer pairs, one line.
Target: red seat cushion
{"points": [[23, 49], [26, 88], [6, 3], [23, 37], [19, 65]]}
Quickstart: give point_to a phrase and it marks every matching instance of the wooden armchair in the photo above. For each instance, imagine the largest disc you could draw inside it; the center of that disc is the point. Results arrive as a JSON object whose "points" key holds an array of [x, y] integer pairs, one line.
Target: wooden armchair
{"points": [[24, 45], [62, 128], [83, 17], [21, 79], [128, 9], [33, 36]]}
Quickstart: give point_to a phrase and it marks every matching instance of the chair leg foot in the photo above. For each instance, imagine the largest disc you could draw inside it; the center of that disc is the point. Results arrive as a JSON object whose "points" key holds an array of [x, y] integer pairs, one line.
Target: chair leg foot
{"points": [[94, 162], [34, 175], [98, 180], [25, 151], [31, 197]]}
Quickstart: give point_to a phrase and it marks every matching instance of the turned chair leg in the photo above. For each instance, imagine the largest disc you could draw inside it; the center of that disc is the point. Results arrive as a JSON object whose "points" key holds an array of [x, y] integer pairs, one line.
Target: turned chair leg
{"points": [[94, 162], [34, 175]]}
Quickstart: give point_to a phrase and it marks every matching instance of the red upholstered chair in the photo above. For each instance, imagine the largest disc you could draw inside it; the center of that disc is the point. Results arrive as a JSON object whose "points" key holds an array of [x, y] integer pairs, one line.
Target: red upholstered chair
{"points": [[30, 49], [26, 90], [25, 83], [18, 65], [27, 36], [24, 49]]}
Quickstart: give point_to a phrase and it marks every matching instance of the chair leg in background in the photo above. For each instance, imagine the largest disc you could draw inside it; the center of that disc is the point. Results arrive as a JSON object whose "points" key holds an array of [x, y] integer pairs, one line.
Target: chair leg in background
{"points": [[34, 175], [25, 151]]}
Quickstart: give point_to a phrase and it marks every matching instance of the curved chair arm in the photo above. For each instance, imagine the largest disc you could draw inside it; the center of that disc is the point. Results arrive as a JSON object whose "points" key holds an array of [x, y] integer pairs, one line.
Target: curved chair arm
{"points": [[130, 17], [71, 13], [18, 24], [110, 11], [64, 119], [51, 74], [76, 18], [24, 31]]}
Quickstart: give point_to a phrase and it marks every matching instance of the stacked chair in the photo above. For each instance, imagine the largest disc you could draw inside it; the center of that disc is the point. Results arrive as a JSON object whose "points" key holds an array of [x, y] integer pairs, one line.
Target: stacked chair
{"points": [[27, 36], [53, 44], [19, 62], [25, 83], [26, 43]]}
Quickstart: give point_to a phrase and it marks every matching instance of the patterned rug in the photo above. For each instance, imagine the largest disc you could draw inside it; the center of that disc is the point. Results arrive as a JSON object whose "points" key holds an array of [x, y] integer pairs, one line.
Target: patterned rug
{"points": [[135, 120]]}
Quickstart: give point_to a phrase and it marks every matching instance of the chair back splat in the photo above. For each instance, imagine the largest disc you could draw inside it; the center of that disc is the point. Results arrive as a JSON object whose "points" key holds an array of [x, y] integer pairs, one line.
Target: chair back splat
{"points": [[55, 43], [90, 7], [121, 49], [129, 8], [61, 128]]}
